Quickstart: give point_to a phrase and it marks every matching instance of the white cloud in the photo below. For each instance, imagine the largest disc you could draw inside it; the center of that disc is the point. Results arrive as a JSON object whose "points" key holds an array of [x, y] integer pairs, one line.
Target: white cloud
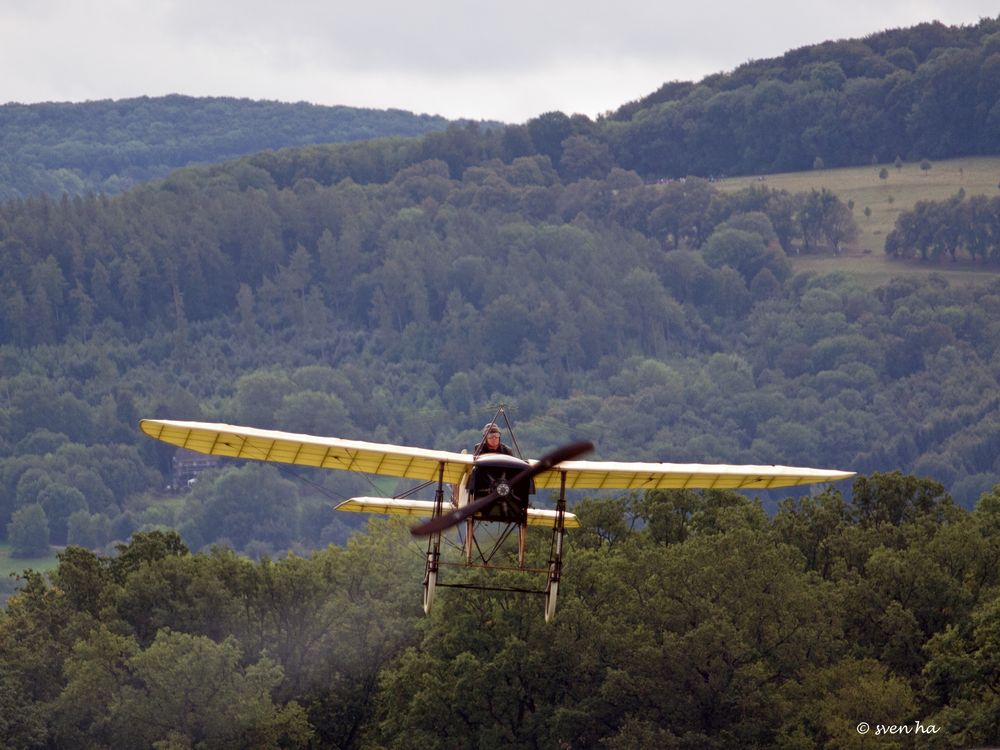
{"points": [[507, 61]]}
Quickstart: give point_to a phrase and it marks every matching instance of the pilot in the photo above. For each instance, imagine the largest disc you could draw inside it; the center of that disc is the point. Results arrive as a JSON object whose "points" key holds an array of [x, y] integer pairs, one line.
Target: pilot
{"points": [[491, 442]]}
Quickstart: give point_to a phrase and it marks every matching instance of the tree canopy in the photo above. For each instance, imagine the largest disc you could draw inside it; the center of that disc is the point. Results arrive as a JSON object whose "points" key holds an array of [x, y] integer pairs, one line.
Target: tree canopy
{"points": [[398, 289], [663, 322], [928, 91], [686, 619], [110, 146]]}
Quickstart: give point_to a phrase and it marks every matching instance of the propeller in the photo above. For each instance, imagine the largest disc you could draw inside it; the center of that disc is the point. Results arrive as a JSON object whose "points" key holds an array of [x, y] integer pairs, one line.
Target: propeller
{"points": [[546, 462]]}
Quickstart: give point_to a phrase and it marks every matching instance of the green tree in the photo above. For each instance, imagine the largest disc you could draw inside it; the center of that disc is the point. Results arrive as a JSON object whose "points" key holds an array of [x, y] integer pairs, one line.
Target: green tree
{"points": [[85, 711], [815, 526], [547, 132], [189, 690], [765, 285], [655, 316], [293, 281], [60, 502], [515, 142], [22, 718], [240, 505], [28, 532], [741, 250], [584, 157], [245, 306], [943, 114], [85, 580], [962, 678], [823, 215], [893, 498], [145, 548], [314, 413], [839, 226], [830, 701], [259, 395], [88, 530]]}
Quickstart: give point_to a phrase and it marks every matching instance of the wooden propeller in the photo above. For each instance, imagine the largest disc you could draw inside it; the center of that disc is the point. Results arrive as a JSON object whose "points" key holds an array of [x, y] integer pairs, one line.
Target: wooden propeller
{"points": [[546, 462]]}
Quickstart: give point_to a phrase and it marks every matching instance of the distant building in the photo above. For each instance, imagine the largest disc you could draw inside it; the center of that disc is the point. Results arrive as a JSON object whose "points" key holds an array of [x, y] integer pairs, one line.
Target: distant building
{"points": [[187, 465]]}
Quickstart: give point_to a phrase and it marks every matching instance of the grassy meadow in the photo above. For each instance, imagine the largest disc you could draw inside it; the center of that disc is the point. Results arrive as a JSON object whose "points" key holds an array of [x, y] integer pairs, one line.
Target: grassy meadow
{"points": [[886, 199], [14, 565]]}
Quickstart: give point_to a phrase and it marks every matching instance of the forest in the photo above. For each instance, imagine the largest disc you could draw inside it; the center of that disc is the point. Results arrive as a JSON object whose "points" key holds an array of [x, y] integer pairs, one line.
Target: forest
{"points": [[925, 92], [658, 321], [399, 289], [110, 146], [929, 91], [688, 620], [952, 229]]}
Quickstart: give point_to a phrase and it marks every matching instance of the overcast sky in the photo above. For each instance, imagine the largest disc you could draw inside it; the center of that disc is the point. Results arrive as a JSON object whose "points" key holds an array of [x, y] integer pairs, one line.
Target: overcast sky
{"points": [[509, 60]]}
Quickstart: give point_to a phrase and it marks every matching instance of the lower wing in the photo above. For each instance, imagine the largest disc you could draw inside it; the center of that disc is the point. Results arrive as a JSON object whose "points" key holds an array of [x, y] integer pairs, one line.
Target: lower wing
{"points": [[401, 507]]}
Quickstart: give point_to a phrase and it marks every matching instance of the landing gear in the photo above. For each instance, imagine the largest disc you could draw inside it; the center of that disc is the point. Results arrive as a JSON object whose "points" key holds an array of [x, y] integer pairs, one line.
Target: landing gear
{"points": [[433, 561], [551, 592], [430, 583], [508, 482], [555, 554]]}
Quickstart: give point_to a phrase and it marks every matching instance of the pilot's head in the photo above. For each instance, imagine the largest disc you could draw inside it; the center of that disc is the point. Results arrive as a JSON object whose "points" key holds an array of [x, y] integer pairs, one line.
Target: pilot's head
{"points": [[491, 434]]}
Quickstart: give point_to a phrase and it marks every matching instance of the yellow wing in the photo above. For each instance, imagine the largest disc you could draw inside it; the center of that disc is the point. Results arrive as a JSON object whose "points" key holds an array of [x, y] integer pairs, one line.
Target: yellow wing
{"points": [[423, 464], [401, 507], [614, 475], [308, 450]]}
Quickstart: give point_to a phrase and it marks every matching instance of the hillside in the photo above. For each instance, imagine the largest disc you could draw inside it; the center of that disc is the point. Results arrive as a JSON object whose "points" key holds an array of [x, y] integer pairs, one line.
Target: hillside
{"points": [[110, 146], [659, 321], [930, 91], [878, 195], [686, 620], [926, 92], [398, 289]]}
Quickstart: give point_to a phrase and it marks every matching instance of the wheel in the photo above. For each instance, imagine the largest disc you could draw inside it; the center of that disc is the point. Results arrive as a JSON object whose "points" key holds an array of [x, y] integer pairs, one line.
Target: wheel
{"points": [[552, 592], [430, 583], [431, 571]]}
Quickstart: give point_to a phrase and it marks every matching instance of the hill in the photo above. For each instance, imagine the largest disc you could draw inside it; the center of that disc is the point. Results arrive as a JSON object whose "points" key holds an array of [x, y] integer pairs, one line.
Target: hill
{"points": [[109, 146], [398, 289], [687, 620], [929, 91], [660, 321], [926, 92], [878, 194]]}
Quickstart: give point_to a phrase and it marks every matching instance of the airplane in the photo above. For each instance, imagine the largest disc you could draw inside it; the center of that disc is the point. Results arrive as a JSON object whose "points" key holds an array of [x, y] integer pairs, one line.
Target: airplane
{"points": [[489, 488]]}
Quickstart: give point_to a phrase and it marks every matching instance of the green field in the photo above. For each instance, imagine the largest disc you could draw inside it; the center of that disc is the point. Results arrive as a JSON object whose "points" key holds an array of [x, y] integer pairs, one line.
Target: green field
{"points": [[886, 199], [13, 565]]}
